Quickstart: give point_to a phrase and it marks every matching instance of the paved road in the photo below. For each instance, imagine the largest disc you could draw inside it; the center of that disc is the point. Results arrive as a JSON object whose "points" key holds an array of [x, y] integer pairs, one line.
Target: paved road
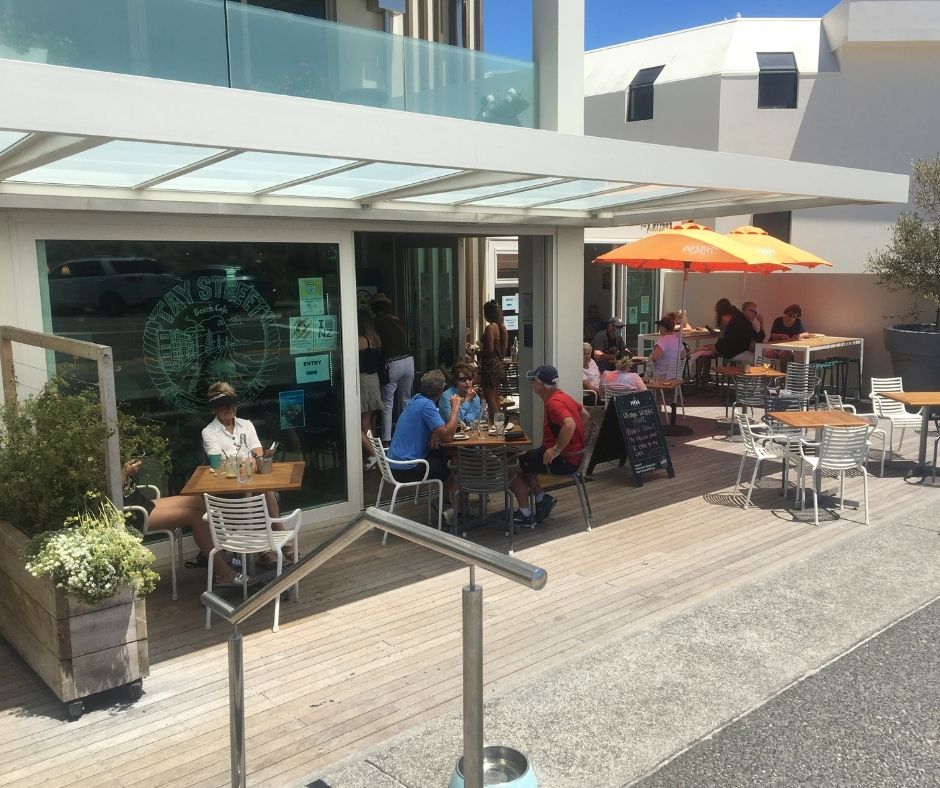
{"points": [[871, 718]]}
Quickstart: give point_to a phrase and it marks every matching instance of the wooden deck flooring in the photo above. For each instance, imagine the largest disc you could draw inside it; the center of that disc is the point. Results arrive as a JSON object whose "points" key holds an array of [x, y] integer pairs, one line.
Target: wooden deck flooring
{"points": [[373, 647]]}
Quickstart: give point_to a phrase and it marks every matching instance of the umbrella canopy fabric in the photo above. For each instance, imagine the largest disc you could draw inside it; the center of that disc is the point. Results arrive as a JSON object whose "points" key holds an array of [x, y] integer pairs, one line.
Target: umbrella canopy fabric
{"points": [[758, 238], [691, 247]]}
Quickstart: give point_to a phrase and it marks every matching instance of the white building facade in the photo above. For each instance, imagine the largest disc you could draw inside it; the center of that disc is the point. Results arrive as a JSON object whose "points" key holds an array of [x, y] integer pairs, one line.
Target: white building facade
{"points": [[217, 203], [856, 88]]}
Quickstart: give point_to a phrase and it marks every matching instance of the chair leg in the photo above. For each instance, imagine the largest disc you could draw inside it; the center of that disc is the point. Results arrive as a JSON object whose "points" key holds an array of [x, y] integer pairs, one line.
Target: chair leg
{"points": [[585, 508], [209, 578], [865, 488], [277, 599], [391, 508], [747, 501], [815, 502], [737, 482], [933, 468], [901, 441], [440, 503], [174, 541], [841, 491]]}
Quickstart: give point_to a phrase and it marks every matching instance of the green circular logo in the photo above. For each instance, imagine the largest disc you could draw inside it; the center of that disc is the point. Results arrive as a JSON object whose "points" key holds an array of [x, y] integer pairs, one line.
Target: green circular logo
{"points": [[206, 329]]}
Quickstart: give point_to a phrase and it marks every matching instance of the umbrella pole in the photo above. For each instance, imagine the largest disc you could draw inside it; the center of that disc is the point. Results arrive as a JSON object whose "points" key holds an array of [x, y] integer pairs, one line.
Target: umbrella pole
{"points": [[672, 428]]}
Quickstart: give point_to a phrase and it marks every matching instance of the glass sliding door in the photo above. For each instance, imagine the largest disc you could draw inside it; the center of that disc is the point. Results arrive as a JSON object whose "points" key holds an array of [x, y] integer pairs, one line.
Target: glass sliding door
{"points": [[180, 315]]}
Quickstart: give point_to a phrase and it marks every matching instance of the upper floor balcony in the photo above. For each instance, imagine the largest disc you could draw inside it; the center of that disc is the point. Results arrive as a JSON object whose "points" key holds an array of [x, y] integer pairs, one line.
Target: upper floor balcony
{"points": [[231, 44]]}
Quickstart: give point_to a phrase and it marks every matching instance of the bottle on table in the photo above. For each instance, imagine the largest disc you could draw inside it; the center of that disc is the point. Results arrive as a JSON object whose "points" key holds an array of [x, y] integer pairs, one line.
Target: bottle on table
{"points": [[244, 461], [484, 417]]}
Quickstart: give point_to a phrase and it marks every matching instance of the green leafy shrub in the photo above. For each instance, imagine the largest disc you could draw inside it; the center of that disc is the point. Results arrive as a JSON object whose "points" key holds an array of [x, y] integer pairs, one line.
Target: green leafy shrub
{"points": [[52, 452], [94, 554], [911, 259]]}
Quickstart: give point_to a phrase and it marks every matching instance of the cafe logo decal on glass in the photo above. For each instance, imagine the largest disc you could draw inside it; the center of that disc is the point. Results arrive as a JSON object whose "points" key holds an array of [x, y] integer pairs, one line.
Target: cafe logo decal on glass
{"points": [[206, 329]]}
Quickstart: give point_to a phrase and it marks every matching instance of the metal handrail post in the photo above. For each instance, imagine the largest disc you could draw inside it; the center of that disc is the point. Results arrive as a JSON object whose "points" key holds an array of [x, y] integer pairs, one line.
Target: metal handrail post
{"points": [[236, 708], [473, 684]]}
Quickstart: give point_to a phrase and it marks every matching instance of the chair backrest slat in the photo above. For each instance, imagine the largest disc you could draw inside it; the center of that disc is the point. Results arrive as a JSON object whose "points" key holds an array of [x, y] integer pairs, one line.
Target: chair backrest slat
{"points": [[381, 458], [240, 524], [841, 448]]}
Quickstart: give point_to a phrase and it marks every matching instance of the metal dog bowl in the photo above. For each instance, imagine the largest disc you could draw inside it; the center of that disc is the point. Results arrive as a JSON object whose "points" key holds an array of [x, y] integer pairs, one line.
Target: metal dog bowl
{"points": [[502, 766]]}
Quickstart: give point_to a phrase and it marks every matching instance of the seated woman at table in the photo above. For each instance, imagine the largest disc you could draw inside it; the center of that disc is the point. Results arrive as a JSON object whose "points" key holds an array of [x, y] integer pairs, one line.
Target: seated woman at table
{"points": [[620, 379], [222, 437], [179, 511], [667, 352], [461, 386], [738, 335], [590, 374], [787, 327]]}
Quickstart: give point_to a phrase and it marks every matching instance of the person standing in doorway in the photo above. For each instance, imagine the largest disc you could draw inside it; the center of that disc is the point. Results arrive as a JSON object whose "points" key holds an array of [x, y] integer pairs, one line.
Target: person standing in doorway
{"points": [[370, 391], [494, 345], [397, 360]]}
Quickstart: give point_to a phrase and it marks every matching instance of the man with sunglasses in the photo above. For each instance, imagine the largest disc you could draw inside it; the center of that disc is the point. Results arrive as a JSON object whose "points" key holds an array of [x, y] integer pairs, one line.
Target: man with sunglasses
{"points": [[462, 386]]}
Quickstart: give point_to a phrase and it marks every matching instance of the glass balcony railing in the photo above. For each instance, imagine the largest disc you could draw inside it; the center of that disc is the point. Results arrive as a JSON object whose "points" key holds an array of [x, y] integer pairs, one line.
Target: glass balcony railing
{"points": [[227, 43]]}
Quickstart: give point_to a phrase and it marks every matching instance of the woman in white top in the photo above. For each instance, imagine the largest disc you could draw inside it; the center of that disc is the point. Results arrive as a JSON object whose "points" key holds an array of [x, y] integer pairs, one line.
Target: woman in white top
{"points": [[222, 437], [667, 350], [590, 374], [620, 379]]}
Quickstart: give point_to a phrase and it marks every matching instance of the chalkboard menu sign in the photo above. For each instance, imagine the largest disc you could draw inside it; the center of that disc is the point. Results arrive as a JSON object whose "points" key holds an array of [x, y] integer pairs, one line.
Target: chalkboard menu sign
{"points": [[636, 418]]}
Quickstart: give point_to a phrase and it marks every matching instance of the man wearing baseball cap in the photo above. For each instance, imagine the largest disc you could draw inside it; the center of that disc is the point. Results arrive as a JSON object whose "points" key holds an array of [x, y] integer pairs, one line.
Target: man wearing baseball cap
{"points": [[609, 345], [560, 452]]}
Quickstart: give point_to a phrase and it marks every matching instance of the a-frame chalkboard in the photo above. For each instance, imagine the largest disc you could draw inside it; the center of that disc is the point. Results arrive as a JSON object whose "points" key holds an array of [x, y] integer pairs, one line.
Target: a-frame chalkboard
{"points": [[632, 430]]}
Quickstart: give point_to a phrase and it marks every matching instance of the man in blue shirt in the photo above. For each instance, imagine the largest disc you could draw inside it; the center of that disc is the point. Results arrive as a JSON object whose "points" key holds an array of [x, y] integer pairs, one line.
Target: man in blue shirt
{"points": [[421, 430], [462, 387]]}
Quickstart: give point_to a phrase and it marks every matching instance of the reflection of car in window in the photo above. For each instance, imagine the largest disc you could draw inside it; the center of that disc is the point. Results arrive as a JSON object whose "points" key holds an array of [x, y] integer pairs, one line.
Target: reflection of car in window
{"points": [[112, 285]]}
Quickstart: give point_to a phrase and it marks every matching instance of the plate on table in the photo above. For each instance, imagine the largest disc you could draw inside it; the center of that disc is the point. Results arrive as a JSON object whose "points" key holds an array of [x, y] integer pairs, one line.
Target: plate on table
{"points": [[461, 436]]}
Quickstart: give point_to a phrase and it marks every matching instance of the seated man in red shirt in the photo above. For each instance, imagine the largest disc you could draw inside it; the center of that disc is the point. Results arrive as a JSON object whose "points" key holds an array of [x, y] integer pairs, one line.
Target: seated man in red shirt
{"points": [[560, 452]]}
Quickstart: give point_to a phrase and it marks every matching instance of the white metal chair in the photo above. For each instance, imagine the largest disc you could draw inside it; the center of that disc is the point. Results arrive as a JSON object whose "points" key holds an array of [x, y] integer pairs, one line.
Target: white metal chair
{"points": [[839, 449], [759, 445], [579, 477], [244, 526], [801, 382], [892, 410], [835, 402], [385, 465], [749, 392], [175, 535]]}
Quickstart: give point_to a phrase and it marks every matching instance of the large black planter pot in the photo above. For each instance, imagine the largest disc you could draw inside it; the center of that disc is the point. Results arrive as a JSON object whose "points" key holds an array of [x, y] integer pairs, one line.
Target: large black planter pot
{"points": [[915, 355]]}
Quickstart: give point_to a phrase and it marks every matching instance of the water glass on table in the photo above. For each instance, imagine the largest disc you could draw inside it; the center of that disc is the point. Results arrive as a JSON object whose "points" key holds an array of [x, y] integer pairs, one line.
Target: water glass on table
{"points": [[499, 421], [474, 427]]}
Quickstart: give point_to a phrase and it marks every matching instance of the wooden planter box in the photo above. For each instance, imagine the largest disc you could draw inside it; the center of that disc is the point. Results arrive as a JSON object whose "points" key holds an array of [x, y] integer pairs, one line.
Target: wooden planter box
{"points": [[76, 649]]}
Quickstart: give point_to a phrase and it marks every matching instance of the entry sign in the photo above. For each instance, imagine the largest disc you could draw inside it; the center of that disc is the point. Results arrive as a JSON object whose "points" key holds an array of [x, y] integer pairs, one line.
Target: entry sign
{"points": [[642, 433]]}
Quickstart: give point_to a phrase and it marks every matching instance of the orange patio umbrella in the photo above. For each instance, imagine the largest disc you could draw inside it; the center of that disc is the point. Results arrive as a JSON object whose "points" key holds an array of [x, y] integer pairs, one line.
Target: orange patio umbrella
{"points": [[690, 247], [760, 239]]}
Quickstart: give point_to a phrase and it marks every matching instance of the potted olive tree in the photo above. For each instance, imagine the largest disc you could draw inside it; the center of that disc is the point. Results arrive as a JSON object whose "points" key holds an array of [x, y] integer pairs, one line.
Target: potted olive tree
{"points": [[911, 262], [72, 573]]}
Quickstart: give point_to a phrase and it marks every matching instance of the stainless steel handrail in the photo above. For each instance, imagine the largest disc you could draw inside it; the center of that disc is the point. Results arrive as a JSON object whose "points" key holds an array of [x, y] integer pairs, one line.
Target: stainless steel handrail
{"points": [[471, 554]]}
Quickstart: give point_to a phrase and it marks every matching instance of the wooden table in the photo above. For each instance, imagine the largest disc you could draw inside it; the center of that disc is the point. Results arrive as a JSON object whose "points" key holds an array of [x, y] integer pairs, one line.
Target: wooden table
{"points": [[696, 336], [670, 384], [817, 419], [804, 348], [924, 400], [283, 476]]}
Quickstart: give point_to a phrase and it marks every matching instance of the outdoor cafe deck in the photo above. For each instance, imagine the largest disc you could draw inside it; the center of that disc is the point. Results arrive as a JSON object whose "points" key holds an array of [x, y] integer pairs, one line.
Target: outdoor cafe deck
{"points": [[374, 646]]}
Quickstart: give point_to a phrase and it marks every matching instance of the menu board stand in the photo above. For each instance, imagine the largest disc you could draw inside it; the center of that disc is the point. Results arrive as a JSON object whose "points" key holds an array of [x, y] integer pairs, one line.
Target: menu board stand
{"points": [[632, 430]]}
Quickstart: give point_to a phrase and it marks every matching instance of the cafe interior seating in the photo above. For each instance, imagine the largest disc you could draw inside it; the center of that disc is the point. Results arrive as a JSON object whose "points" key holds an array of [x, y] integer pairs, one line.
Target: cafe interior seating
{"points": [[384, 464], [244, 526]]}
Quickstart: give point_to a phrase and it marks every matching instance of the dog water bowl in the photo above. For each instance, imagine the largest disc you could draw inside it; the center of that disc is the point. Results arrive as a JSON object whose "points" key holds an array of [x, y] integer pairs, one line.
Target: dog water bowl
{"points": [[502, 766]]}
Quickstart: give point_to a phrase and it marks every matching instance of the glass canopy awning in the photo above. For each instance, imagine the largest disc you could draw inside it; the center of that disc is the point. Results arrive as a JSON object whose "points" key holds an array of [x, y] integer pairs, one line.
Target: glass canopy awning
{"points": [[124, 143]]}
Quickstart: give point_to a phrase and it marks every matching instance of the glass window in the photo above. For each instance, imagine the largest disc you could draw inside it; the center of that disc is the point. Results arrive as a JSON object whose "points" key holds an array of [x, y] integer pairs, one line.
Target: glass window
{"points": [[180, 315], [640, 94], [776, 224], [778, 80]]}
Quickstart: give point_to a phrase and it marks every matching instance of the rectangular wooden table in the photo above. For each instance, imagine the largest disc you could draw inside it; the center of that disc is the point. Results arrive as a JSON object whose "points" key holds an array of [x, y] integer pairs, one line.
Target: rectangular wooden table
{"points": [[817, 419], [283, 476], [803, 349], [924, 400]]}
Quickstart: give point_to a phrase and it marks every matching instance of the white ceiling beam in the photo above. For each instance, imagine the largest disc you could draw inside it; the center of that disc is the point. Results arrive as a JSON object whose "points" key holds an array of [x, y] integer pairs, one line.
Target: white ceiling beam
{"points": [[84, 103], [40, 149]]}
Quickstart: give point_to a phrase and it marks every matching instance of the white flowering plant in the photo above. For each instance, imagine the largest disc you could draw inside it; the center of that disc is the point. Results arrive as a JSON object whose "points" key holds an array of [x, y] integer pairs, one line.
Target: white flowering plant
{"points": [[94, 554]]}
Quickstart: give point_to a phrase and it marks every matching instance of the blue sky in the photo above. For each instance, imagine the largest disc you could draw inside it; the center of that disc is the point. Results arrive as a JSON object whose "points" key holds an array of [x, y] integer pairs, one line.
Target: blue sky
{"points": [[508, 26]]}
